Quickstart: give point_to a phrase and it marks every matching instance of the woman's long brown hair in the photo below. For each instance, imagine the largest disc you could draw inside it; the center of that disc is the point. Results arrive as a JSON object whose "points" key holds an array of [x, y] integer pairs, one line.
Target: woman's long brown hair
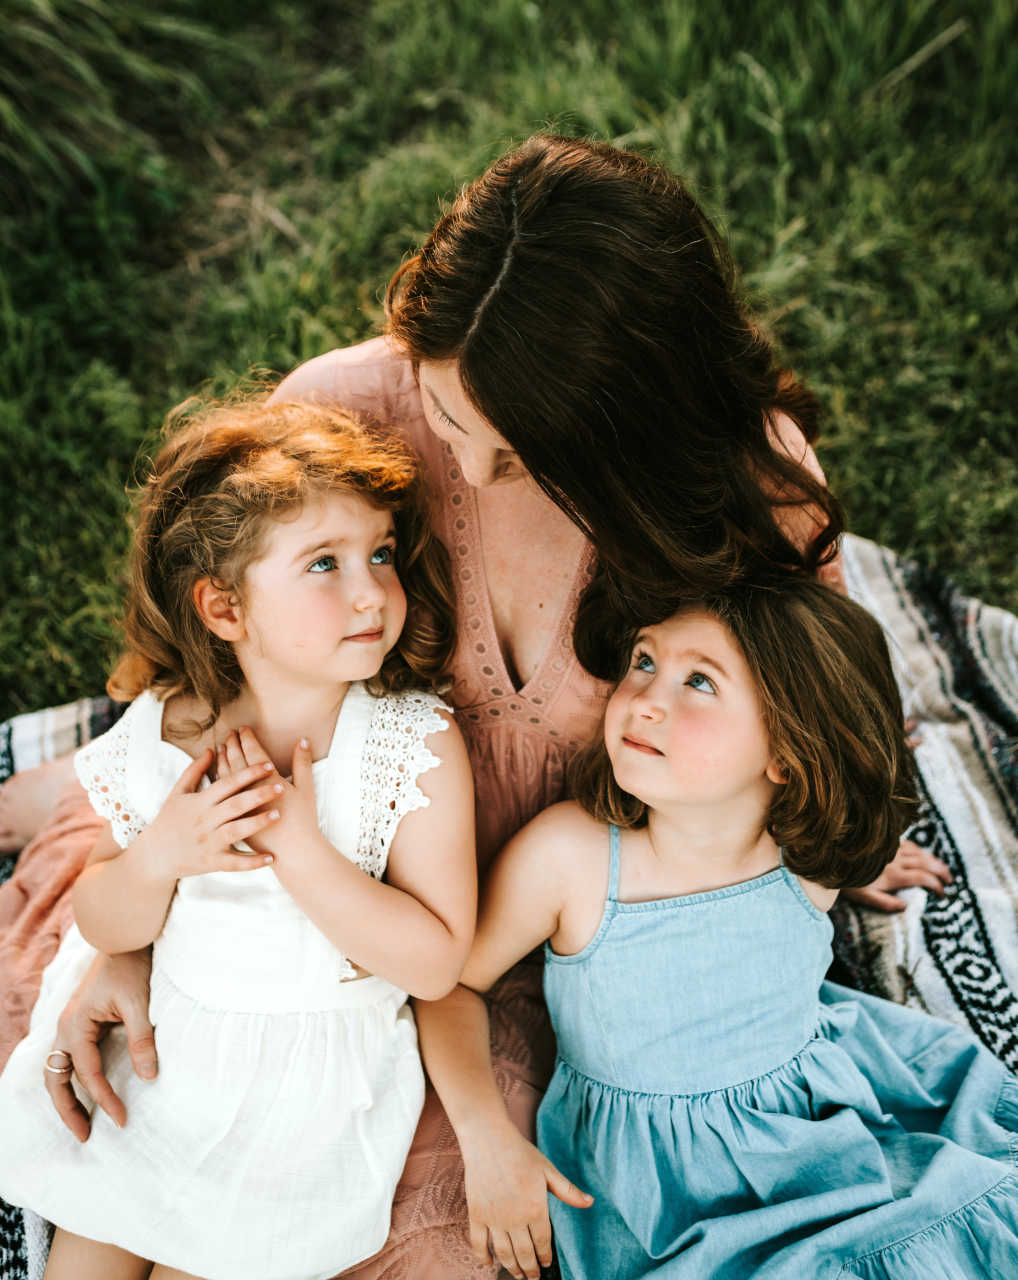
{"points": [[595, 317]]}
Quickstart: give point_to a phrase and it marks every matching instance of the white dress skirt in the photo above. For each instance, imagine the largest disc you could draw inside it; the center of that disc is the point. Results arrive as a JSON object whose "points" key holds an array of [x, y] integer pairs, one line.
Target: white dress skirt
{"points": [[270, 1144]]}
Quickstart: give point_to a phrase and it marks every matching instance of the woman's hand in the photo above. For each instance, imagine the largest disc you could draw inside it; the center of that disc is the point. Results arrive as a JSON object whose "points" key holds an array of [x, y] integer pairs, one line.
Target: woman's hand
{"points": [[114, 990], [911, 865], [293, 799], [507, 1189], [195, 831]]}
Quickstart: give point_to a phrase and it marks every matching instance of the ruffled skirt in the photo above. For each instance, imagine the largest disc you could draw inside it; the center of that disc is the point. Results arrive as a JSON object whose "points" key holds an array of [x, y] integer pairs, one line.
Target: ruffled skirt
{"points": [[887, 1148], [268, 1147]]}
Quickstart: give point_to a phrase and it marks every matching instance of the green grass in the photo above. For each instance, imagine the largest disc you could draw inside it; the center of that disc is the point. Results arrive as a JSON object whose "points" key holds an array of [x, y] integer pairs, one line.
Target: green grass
{"points": [[240, 189]]}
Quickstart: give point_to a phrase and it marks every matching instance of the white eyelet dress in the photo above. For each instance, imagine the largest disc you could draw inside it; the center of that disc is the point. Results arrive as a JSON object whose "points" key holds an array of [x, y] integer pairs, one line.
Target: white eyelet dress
{"points": [[271, 1142]]}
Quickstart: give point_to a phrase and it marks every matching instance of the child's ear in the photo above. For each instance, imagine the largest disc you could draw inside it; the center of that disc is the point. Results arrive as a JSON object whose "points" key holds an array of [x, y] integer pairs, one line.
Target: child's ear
{"points": [[776, 772], [219, 608]]}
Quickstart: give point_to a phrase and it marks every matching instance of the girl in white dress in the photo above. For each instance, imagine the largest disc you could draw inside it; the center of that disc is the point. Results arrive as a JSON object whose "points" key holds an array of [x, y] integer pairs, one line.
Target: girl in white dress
{"points": [[284, 726]]}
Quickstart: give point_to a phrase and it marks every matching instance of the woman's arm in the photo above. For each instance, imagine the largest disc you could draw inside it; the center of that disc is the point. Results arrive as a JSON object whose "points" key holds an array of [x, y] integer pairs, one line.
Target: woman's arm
{"points": [[415, 928], [122, 896]]}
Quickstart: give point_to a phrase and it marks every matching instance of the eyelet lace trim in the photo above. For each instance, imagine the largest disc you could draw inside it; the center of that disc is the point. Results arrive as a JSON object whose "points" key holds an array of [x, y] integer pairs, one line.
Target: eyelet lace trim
{"points": [[101, 766], [394, 758]]}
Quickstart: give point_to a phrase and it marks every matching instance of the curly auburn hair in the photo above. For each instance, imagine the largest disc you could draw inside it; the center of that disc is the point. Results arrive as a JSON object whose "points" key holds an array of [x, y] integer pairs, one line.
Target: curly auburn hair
{"points": [[597, 322], [833, 713], [224, 472]]}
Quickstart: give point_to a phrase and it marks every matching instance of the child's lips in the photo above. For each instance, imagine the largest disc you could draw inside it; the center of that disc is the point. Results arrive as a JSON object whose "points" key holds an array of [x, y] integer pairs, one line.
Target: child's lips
{"points": [[639, 745], [368, 637]]}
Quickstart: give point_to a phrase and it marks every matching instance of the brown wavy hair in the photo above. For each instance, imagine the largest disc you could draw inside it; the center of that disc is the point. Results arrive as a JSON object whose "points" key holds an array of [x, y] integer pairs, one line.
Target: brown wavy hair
{"points": [[227, 469], [595, 316], [833, 713]]}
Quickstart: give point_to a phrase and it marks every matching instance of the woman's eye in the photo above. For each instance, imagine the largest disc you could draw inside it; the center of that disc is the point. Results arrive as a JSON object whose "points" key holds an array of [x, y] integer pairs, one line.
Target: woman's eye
{"points": [[383, 555], [324, 564], [701, 682]]}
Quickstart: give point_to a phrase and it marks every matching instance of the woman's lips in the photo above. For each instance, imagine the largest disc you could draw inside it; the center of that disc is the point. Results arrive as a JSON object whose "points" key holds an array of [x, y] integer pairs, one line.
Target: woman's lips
{"points": [[637, 745]]}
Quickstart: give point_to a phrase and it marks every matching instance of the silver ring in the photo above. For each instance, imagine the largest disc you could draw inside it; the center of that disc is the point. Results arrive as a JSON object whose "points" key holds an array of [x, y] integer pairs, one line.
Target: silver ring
{"points": [[60, 1071]]}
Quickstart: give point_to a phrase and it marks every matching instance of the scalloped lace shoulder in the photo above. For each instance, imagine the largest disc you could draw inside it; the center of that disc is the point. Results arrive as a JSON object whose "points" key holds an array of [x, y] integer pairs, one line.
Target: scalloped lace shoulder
{"points": [[394, 758], [101, 766]]}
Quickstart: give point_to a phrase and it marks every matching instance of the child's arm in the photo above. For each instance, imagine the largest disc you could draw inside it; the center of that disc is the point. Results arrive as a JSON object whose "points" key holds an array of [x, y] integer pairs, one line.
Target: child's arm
{"points": [[415, 928], [121, 897], [507, 1178]]}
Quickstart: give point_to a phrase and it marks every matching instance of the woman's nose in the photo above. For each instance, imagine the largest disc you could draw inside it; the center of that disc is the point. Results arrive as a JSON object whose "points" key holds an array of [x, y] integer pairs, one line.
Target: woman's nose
{"points": [[483, 466], [480, 467]]}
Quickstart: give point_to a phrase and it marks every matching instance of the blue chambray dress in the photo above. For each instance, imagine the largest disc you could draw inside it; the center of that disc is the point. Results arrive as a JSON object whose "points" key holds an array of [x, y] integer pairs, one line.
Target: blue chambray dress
{"points": [[735, 1116]]}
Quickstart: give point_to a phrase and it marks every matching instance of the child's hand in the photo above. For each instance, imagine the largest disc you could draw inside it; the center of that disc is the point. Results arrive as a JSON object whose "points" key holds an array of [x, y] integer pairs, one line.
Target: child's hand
{"points": [[507, 1203], [195, 831], [294, 799]]}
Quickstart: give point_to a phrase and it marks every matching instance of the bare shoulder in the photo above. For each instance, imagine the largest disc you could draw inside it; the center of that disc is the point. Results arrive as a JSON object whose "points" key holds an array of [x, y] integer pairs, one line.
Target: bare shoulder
{"points": [[562, 839], [823, 899], [568, 822]]}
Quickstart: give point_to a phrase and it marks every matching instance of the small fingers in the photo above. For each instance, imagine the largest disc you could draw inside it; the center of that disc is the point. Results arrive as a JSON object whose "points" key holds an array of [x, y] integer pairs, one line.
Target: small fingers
{"points": [[502, 1247], [253, 750], [479, 1242], [526, 1257], [241, 861], [242, 802], [235, 756], [234, 782], [192, 775], [540, 1234]]}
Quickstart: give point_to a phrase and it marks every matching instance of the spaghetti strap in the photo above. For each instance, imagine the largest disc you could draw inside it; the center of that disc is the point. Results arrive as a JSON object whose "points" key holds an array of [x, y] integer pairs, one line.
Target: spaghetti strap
{"points": [[613, 865]]}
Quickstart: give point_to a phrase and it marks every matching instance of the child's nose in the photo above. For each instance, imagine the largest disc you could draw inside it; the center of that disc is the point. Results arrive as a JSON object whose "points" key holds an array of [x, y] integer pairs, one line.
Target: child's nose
{"points": [[648, 702], [369, 593]]}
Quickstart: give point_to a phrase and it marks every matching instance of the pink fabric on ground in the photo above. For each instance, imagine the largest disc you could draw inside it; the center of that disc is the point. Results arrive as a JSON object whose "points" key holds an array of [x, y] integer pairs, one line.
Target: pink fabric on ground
{"points": [[35, 908]]}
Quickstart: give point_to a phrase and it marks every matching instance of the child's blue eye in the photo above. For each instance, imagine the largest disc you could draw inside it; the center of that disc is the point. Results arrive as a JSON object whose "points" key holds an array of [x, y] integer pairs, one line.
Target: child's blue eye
{"points": [[384, 555], [701, 683], [643, 662], [324, 564]]}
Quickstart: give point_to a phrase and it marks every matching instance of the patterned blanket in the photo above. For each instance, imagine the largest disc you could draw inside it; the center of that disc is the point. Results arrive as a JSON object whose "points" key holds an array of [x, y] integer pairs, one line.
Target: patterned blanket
{"points": [[956, 661]]}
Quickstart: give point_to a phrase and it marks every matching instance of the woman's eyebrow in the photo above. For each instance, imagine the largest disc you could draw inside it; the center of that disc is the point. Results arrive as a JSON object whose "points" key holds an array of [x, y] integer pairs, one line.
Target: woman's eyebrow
{"points": [[441, 409]]}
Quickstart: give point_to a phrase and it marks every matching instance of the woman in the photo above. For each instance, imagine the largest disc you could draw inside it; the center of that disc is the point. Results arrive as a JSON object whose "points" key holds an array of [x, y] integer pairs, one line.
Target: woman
{"points": [[569, 354]]}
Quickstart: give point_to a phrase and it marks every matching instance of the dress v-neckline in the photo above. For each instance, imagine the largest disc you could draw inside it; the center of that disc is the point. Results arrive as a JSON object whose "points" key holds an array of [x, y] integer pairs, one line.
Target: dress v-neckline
{"points": [[484, 637]]}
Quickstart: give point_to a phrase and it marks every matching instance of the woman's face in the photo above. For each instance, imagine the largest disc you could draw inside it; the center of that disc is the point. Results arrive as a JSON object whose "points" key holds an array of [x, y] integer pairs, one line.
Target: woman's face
{"points": [[482, 454]]}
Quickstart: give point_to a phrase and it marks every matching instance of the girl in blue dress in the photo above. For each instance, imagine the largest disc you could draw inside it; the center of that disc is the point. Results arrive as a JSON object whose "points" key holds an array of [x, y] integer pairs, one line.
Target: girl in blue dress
{"points": [[709, 1115]]}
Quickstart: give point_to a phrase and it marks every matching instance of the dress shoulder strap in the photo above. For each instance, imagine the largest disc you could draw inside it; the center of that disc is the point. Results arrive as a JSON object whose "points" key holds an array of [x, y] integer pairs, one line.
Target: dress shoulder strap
{"points": [[395, 755], [104, 765], [614, 845]]}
